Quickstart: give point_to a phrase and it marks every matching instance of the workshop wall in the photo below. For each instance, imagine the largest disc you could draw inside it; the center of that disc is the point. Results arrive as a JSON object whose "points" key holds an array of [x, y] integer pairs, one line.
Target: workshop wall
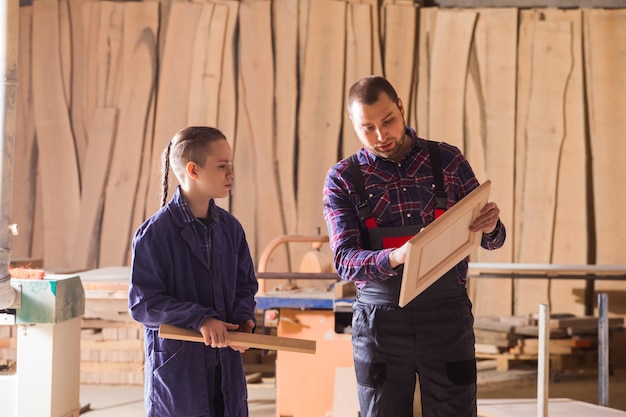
{"points": [[534, 97]]}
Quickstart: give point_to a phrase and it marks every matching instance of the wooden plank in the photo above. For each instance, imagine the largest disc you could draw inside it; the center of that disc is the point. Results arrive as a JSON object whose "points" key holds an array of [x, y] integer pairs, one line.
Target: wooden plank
{"points": [[571, 236], [561, 4], [605, 52], [495, 42], [359, 63], [91, 21], [399, 59], [453, 36], [442, 244], [256, 92], [251, 340], [285, 27], [551, 66], [173, 90], [57, 153], [109, 44], [24, 182], [138, 75], [227, 105], [321, 109], [559, 407], [98, 159], [79, 35], [420, 115]]}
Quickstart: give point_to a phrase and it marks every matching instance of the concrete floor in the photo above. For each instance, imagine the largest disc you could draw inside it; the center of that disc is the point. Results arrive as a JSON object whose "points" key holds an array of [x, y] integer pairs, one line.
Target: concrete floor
{"points": [[127, 401]]}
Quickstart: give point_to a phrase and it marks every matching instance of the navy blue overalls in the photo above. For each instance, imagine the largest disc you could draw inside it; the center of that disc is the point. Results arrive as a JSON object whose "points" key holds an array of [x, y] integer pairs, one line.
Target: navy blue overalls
{"points": [[431, 336]]}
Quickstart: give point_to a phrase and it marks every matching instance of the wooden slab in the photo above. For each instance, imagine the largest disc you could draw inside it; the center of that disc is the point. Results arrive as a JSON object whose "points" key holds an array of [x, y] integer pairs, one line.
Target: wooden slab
{"points": [[605, 53], [399, 63], [138, 75], [92, 198], [24, 182], [442, 244], [285, 27], [251, 340], [256, 91], [173, 92], [420, 114], [359, 63], [453, 36], [544, 134], [57, 152], [321, 110], [495, 42]]}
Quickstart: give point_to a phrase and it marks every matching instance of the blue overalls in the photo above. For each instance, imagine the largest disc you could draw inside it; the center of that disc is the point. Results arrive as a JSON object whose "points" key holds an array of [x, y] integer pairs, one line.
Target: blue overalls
{"points": [[432, 336]]}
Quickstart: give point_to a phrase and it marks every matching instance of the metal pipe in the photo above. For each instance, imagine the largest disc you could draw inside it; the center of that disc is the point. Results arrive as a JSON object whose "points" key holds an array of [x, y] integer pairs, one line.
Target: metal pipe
{"points": [[9, 19], [603, 349]]}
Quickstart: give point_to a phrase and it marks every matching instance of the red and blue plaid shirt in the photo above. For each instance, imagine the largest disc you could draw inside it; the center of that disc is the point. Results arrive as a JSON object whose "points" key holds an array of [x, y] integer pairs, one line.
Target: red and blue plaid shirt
{"points": [[399, 194]]}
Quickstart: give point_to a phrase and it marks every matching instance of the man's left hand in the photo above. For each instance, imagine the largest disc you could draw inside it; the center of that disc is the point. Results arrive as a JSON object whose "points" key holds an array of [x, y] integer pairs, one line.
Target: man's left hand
{"points": [[487, 219]]}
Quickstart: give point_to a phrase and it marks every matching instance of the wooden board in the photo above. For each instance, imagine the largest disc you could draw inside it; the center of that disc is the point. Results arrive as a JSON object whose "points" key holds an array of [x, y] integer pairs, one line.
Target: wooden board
{"points": [[451, 46], [442, 244], [57, 152], [420, 115], [495, 42], [399, 63], [285, 27], [359, 63], [252, 340], [138, 75], [321, 109], [92, 198], [173, 91]]}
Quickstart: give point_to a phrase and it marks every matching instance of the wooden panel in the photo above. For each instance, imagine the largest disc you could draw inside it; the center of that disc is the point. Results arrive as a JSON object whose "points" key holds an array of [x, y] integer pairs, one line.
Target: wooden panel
{"points": [[227, 106], [260, 341], [453, 36], [605, 52], [138, 78], [92, 200], [24, 182], [321, 109], [173, 91], [442, 244], [285, 26], [57, 153], [109, 47], [91, 21], [570, 242], [359, 63], [256, 92], [544, 133], [399, 48], [420, 115], [495, 42]]}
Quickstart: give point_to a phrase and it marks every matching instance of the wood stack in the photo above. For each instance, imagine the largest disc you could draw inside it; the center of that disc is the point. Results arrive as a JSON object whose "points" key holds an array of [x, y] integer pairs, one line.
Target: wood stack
{"points": [[512, 341]]}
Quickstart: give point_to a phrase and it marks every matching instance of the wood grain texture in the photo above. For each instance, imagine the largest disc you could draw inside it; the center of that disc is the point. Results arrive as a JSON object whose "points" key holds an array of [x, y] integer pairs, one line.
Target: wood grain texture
{"points": [[419, 116], [451, 47], [260, 341], [138, 75], [98, 159], [285, 32], [173, 91], [57, 152], [551, 66], [321, 109], [359, 63]]}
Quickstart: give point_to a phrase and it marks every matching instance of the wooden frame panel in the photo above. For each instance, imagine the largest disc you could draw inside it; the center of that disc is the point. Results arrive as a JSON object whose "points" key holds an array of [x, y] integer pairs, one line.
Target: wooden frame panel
{"points": [[442, 244], [260, 341]]}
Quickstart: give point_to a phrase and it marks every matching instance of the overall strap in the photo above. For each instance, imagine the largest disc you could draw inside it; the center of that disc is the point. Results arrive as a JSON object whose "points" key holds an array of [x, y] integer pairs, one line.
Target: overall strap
{"points": [[365, 212], [441, 198]]}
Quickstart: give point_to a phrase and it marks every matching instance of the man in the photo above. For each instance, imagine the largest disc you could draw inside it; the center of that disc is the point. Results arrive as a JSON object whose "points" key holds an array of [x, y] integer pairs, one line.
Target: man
{"points": [[374, 202]]}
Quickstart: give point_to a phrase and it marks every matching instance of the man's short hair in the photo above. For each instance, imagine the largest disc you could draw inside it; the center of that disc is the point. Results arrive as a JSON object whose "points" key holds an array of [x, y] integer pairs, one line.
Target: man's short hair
{"points": [[368, 89]]}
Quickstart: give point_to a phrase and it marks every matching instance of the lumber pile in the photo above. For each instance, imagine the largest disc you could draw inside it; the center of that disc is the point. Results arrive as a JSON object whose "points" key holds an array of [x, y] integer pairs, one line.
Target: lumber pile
{"points": [[512, 341]]}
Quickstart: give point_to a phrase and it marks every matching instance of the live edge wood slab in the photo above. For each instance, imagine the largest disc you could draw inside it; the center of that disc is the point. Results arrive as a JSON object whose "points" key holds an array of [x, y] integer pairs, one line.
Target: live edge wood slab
{"points": [[251, 340]]}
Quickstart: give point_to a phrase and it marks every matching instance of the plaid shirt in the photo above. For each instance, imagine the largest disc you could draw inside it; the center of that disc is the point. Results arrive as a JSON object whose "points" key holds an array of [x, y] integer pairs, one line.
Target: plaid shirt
{"points": [[400, 194]]}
